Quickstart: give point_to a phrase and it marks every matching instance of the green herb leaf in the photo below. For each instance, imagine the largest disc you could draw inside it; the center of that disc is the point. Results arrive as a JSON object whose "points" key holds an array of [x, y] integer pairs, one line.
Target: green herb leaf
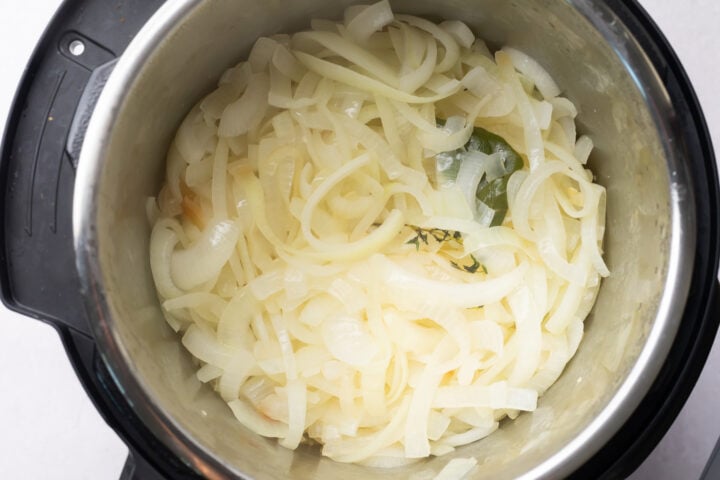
{"points": [[492, 193], [487, 142], [473, 268], [439, 235], [447, 166], [414, 241]]}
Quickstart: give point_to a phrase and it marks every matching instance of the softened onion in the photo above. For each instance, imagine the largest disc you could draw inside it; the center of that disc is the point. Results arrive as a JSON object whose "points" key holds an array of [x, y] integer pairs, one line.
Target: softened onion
{"points": [[460, 32], [323, 245], [203, 260], [368, 20], [242, 115], [535, 72], [476, 165]]}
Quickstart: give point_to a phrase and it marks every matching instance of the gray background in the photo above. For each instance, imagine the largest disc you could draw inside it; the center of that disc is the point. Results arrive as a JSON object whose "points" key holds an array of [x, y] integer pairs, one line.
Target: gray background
{"points": [[49, 428]]}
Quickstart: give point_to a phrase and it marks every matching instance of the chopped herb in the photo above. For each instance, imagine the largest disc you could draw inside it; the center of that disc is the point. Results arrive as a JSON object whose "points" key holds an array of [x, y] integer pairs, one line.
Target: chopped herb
{"points": [[494, 193], [470, 268], [414, 241], [439, 235]]}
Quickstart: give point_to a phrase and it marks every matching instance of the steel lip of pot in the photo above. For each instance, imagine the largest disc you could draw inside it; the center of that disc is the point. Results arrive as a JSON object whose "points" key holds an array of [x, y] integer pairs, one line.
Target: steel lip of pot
{"points": [[615, 413], [95, 144], [683, 244]]}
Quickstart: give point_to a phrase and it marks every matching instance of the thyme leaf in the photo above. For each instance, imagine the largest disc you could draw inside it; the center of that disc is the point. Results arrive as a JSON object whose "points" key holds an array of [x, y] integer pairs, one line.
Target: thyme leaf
{"points": [[472, 268], [422, 235]]}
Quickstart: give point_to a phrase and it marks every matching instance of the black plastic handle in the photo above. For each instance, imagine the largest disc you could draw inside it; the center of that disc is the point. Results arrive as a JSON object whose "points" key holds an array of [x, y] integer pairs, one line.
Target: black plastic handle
{"points": [[38, 159], [40, 154], [148, 458], [712, 470], [136, 468]]}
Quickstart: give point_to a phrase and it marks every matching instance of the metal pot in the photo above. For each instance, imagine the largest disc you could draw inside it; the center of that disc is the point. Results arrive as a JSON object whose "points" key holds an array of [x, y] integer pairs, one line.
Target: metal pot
{"points": [[653, 316]]}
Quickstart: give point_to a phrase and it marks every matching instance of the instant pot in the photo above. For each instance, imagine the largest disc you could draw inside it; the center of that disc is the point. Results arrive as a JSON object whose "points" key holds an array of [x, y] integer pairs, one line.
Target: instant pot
{"points": [[85, 145]]}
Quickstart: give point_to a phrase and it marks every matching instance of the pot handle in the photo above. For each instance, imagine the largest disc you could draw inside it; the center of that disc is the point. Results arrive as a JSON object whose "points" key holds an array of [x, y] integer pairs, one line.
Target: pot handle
{"points": [[712, 470], [45, 131], [85, 108], [136, 468]]}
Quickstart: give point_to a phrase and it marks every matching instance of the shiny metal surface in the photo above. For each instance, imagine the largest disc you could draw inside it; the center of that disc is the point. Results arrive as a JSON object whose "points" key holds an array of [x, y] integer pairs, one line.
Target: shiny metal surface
{"points": [[639, 158]]}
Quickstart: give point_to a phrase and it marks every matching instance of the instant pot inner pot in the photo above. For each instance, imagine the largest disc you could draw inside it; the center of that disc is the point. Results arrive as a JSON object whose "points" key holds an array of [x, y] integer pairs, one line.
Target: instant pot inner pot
{"points": [[622, 106]]}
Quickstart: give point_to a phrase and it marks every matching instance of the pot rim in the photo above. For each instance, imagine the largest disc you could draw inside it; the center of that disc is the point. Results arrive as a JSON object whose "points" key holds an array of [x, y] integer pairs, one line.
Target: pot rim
{"points": [[633, 389]]}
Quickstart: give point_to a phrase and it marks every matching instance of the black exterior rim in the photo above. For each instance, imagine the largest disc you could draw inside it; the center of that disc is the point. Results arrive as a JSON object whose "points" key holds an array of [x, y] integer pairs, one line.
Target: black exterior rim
{"points": [[647, 425], [632, 444]]}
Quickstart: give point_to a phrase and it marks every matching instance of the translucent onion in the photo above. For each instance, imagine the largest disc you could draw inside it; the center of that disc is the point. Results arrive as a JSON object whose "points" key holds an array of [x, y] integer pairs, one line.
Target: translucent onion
{"points": [[460, 32], [535, 72], [369, 20], [336, 280], [242, 115], [205, 258]]}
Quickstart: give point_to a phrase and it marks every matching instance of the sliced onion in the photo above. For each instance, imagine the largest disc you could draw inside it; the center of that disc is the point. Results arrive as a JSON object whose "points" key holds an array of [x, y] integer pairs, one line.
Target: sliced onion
{"points": [[463, 295], [203, 345], [583, 148], [337, 289], [195, 138], [474, 166], [452, 51], [261, 54], [535, 72], [348, 339], [363, 23], [460, 32], [287, 64], [258, 423], [363, 82], [244, 114], [481, 83], [297, 410], [562, 107], [205, 258], [455, 134], [162, 245]]}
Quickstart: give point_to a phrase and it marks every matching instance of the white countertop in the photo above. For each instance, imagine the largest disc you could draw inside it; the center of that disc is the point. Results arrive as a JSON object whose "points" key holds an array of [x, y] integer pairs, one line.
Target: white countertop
{"points": [[49, 429]]}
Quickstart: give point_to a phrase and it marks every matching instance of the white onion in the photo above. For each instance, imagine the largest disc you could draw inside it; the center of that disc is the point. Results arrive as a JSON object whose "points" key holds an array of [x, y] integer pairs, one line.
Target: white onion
{"points": [[203, 260], [460, 32], [347, 338], [481, 83], [194, 138], [336, 281], [287, 64], [562, 107], [261, 54], [535, 72], [583, 147], [452, 51], [417, 77], [162, 244], [369, 20], [475, 165], [256, 422], [362, 82], [463, 295], [242, 115]]}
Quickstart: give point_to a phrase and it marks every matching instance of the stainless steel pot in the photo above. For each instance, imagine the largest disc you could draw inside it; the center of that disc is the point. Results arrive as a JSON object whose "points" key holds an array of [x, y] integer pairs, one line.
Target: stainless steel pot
{"points": [[643, 157]]}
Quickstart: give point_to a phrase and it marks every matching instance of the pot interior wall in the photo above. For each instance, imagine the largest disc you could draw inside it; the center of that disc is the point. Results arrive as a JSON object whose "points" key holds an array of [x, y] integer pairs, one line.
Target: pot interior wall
{"points": [[630, 160]]}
